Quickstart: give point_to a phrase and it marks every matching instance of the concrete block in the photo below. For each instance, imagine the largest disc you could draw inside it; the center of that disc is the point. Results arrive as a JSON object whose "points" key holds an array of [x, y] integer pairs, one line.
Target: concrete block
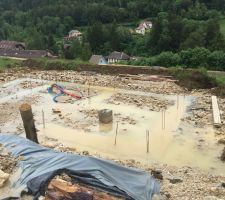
{"points": [[105, 116]]}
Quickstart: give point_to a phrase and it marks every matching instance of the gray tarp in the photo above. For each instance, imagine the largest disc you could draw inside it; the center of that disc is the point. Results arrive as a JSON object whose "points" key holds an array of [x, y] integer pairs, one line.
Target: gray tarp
{"points": [[40, 164]]}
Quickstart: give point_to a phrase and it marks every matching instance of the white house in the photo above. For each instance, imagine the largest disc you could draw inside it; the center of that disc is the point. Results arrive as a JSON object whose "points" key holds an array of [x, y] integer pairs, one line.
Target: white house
{"points": [[74, 33], [143, 27], [116, 56]]}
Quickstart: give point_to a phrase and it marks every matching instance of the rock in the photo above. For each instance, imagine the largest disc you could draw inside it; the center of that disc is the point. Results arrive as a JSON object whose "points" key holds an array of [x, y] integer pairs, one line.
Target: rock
{"points": [[223, 185], [157, 174], [221, 141], [56, 110], [64, 99], [86, 153], [159, 197], [4, 177], [175, 180], [223, 155], [210, 198]]}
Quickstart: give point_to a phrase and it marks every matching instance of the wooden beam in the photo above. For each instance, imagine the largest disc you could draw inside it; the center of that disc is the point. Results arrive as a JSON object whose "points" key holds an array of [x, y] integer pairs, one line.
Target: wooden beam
{"points": [[28, 122], [216, 112]]}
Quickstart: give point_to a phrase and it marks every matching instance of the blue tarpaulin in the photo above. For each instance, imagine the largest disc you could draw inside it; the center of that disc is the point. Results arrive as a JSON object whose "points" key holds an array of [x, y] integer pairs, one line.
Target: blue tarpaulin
{"points": [[40, 164]]}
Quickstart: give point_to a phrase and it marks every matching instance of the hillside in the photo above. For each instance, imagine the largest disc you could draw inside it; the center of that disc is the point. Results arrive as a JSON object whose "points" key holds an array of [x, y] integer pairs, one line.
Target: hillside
{"points": [[106, 25]]}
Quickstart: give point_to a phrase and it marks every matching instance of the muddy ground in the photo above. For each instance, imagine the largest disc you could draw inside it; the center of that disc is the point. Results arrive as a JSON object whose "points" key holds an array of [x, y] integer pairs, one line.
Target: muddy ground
{"points": [[177, 183]]}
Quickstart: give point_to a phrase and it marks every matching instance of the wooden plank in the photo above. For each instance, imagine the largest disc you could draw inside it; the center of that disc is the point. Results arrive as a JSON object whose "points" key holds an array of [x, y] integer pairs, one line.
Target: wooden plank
{"points": [[216, 112]]}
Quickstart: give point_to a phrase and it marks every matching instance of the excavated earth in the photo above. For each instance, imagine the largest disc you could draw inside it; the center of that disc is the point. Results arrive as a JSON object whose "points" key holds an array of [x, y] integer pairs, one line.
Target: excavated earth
{"points": [[177, 183]]}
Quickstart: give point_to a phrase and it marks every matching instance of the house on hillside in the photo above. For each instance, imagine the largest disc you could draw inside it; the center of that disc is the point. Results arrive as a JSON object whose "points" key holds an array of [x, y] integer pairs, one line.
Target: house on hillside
{"points": [[26, 54], [143, 27], [116, 56], [98, 60], [73, 34], [18, 50], [12, 45]]}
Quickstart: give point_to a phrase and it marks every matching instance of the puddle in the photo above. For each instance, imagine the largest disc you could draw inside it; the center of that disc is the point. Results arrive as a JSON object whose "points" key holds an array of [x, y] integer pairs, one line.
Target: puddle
{"points": [[177, 144]]}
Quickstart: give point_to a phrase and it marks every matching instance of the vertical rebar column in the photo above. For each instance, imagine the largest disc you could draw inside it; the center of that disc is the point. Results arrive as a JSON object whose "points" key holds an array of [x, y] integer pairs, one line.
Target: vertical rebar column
{"points": [[28, 122], [117, 126], [147, 140], [43, 118], [178, 102]]}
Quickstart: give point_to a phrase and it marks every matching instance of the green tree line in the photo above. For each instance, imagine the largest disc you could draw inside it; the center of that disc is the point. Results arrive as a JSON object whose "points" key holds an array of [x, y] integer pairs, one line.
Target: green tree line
{"points": [[178, 25]]}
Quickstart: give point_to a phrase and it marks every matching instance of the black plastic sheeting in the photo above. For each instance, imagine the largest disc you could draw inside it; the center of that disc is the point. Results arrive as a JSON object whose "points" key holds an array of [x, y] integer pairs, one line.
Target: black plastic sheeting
{"points": [[40, 164]]}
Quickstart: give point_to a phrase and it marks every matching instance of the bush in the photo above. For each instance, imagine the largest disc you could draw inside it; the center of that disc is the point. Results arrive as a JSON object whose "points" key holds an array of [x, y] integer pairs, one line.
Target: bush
{"points": [[167, 59], [216, 60], [197, 57]]}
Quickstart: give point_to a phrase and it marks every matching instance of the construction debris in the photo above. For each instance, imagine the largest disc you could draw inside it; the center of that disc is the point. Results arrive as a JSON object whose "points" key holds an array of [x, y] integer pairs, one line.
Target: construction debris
{"points": [[60, 189], [216, 112], [196, 123], [105, 116]]}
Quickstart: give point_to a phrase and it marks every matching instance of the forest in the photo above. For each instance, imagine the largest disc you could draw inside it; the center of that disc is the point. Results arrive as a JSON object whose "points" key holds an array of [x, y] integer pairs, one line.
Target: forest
{"points": [[180, 27]]}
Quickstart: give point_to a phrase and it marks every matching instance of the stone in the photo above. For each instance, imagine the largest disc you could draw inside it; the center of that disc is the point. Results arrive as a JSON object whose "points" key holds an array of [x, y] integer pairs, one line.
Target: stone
{"points": [[157, 174], [86, 153], [221, 141], [175, 180], [105, 116], [210, 198], [223, 185], [56, 110], [64, 99], [223, 155], [4, 177], [159, 197]]}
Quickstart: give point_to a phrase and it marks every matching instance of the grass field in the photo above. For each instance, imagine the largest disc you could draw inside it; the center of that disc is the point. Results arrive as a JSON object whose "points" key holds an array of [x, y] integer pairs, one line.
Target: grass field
{"points": [[222, 26], [8, 63]]}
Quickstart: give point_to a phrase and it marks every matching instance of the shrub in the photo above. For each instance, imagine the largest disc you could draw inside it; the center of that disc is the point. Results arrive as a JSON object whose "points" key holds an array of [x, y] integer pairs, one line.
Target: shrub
{"points": [[167, 59], [197, 57], [217, 60]]}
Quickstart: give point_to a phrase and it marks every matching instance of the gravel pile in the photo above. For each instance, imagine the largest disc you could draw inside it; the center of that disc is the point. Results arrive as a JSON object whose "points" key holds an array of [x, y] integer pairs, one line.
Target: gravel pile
{"points": [[148, 102]]}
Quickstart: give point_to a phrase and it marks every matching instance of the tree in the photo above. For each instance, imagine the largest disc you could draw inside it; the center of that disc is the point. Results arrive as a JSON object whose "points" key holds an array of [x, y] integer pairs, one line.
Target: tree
{"points": [[95, 36], [214, 39], [72, 50], [86, 52]]}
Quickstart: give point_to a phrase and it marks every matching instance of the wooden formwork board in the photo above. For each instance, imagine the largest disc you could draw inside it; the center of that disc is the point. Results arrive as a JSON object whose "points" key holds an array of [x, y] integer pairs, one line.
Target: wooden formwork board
{"points": [[216, 112]]}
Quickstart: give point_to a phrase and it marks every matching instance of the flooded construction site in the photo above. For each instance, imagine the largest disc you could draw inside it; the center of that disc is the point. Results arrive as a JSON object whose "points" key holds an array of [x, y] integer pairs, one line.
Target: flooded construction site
{"points": [[154, 122]]}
